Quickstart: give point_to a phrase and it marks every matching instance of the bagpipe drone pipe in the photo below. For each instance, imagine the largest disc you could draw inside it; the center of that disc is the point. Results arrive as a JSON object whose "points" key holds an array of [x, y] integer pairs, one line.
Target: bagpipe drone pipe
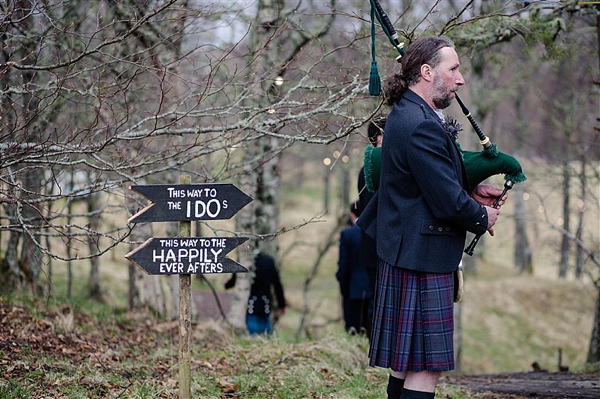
{"points": [[479, 165]]}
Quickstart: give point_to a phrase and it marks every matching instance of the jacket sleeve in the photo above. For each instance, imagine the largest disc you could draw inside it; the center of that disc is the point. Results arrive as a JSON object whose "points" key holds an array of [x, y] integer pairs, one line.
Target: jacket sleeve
{"points": [[368, 218], [435, 173], [278, 288]]}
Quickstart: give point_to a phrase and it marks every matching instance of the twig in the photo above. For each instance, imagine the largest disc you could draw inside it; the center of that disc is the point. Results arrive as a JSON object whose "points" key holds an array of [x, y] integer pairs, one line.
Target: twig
{"points": [[216, 296], [331, 240]]}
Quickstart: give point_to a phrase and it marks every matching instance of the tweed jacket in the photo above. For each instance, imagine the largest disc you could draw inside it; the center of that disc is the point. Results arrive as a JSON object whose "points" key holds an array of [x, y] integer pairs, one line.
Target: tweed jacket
{"points": [[422, 211]]}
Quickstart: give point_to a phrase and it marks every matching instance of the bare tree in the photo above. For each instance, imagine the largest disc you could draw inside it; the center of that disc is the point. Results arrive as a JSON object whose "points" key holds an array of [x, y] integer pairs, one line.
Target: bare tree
{"points": [[138, 92], [133, 91]]}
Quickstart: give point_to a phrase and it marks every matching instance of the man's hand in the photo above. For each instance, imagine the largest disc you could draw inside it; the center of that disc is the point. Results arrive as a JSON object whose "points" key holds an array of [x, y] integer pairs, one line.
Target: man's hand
{"points": [[486, 194], [492, 217]]}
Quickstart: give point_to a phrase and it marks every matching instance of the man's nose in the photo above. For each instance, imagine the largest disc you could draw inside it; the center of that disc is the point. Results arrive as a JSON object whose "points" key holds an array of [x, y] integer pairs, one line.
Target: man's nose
{"points": [[460, 80]]}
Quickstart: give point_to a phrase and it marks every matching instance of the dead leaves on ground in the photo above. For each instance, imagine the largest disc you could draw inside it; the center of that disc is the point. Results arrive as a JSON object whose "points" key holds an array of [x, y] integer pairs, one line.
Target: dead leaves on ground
{"points": [[46, 352], [125, 356]]}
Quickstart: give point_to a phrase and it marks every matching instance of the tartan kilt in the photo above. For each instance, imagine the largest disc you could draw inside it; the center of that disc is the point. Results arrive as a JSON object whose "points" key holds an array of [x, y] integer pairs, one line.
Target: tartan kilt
{"points": [[413, 321]]}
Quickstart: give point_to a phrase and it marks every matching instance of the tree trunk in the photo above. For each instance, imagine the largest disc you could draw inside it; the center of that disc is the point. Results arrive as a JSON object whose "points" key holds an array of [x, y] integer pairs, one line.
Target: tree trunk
{"points": [[326, 190], [93, 208], [267, 197], [594, 350], [259, 181], [523, 252], [267, 214], [144, 289], [31, 256], [565, 242], [523, 259], [478, 62], [244, 224], [11, 274], [69, 230], [580, 256]]}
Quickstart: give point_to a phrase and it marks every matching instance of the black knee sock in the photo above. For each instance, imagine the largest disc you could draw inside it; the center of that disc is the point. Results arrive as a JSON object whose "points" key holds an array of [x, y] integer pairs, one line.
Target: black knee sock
{"points": [[394, 388], [408, 394]]}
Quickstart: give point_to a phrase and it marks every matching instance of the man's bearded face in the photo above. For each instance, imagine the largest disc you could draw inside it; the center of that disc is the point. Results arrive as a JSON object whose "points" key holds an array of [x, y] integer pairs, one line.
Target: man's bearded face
{"points": [[443, 93]]}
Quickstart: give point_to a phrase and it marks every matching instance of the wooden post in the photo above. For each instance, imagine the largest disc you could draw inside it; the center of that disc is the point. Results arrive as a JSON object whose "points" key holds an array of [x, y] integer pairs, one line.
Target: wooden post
{"points": [[185, 203], [185, 294]]}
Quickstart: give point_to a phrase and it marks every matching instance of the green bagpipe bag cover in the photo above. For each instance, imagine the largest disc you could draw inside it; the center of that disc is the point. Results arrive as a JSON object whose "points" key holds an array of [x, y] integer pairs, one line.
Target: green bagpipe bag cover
{"points": [[479, 165]]}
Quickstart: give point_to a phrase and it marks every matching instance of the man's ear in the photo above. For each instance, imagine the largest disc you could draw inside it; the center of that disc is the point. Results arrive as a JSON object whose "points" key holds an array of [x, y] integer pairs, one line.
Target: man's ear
{"points": [[427, 72]]}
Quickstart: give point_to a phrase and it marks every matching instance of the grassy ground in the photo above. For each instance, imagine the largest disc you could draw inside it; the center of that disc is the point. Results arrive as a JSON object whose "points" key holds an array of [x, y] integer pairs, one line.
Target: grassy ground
{"points": [[131, 355], [79, 349], [509, 321]]}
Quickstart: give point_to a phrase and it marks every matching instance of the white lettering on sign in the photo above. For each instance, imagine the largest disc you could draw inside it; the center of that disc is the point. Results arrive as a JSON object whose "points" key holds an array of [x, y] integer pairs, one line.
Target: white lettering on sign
{"points": [[204, 268], [174, 205], [193, 242], [171, 267], [202, 192], [175, 193], [190, 242], [199, 208], [187, 255], [196, 267]]}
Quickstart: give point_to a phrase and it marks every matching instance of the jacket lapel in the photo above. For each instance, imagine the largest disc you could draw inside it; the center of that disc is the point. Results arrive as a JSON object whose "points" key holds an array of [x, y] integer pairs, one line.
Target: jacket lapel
{"points": [[460, 170]]}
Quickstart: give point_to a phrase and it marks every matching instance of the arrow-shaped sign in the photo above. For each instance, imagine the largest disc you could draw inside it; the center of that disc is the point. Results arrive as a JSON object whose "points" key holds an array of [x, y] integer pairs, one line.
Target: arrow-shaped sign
{"points": [[187, 255], [187, 202]]}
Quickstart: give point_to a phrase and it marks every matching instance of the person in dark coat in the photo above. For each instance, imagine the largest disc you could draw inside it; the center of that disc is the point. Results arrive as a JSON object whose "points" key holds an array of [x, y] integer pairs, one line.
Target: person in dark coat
{"points": [[261, 306], [353, 279], [419, 218]]}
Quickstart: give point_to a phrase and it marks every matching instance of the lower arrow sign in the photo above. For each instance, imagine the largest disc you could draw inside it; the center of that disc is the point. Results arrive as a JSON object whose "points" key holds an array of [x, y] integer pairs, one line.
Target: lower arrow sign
{"points": [[187, 255]]}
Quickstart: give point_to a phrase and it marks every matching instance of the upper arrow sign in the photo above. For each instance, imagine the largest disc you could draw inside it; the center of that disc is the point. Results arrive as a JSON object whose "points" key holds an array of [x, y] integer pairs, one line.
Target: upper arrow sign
{"points": [[187, 202], [187, 255]]}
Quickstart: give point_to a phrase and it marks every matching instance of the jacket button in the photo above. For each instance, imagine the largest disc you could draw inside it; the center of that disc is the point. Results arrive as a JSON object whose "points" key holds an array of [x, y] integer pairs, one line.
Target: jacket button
{"points": [[431, 228], [447, 228], [440, 229]]}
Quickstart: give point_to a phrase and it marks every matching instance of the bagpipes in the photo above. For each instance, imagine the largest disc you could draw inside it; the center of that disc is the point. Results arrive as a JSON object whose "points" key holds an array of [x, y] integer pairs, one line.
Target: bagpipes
{"points": [[478, 165]]}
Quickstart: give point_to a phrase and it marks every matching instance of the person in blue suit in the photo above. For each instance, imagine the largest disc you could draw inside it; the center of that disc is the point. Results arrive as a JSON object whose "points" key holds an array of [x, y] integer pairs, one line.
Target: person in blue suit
{"points": [[419, 218], [353, 278]]}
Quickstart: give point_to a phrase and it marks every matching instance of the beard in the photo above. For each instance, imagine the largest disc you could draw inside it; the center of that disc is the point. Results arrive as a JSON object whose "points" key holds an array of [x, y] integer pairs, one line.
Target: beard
{"points": [[442, 96]]}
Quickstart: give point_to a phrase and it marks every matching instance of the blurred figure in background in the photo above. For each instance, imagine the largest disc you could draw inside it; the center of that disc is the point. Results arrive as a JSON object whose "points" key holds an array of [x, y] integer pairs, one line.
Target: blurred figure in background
{"points": [[353, 279], [368, 247], [260, 303]]}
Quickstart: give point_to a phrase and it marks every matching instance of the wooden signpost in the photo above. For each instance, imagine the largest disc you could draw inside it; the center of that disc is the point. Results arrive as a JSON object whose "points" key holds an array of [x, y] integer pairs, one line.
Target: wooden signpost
{"points": [[183, 255], [186, 255], [187, 202]]}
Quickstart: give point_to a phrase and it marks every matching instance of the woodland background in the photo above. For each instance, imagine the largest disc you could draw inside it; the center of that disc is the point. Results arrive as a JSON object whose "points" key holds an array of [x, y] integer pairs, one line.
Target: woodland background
{"points": [[272, 95]]}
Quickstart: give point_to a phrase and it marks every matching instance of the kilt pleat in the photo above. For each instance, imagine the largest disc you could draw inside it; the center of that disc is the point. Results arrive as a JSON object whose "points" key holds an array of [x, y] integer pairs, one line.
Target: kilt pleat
{"points": [[413, 320]]}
